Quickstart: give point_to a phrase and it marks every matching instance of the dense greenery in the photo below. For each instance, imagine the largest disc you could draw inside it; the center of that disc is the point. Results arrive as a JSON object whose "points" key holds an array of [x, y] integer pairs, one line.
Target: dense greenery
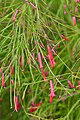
{"points": [[37, 24]]}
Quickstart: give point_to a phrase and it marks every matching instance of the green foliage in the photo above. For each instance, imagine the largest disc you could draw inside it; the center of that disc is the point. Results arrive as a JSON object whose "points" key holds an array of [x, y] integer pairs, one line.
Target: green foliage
{"points": [[30, 33]]}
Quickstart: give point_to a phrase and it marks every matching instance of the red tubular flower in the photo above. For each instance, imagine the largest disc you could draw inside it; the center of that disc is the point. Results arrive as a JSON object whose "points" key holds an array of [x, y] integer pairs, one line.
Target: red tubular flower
{"points": [[54, 51], [44, 75], [11, 70], [74, 20], [32, 104], [32, 5], [17, 105], [64, 12], [38, 104], [77, 1], [47, 73], [41, 66], [21, 61], [52, 94], [63, 99], [51, 99], [3, 83], [40, 61], [41, 45], [79, 85], [65, 6], [35, 108], [52, 89], [50, 56], [58, 45], [70, 84], [12, 81], [29, 60], [54, 46], [14, 17], [64, 37], [76, 9]]}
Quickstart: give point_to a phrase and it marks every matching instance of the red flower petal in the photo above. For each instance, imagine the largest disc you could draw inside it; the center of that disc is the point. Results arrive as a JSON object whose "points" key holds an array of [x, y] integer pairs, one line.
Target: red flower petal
{"points": [[32, 109], [70, 84], [32, 5], [50, 56], [40, 60], [64, 37], [44, 75], [74, 20], [14, 17]]}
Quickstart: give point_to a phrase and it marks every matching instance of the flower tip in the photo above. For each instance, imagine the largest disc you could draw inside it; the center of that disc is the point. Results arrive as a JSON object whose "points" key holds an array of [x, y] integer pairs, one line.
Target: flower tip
{"points": [[74, 20], [33, 5], [64, 12], [44, 75], [32, 104], [77, 1], [32, 110], [40, 61], [51, 99], [13, 20], [12, 81], [47, 73], [64, 6], [64, 37], [63, 99], [71, 85], [76, 9]]}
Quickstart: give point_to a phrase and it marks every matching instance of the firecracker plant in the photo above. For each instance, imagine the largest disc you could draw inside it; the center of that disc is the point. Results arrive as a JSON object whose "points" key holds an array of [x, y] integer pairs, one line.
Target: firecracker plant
{"points": [[40, 59]]}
